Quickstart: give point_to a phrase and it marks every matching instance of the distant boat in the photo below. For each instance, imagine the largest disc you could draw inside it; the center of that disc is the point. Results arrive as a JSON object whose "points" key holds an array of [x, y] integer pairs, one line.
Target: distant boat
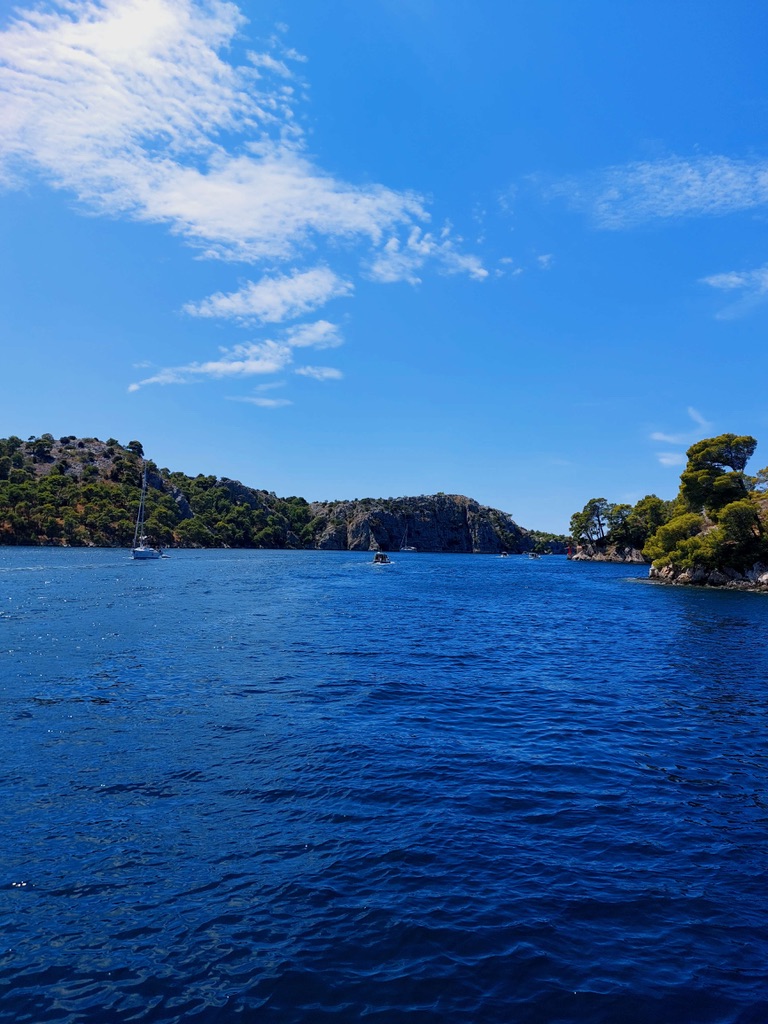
{"points": [[534, 554], [405, 546], [382, 558], [141, 548], [504, 554]]}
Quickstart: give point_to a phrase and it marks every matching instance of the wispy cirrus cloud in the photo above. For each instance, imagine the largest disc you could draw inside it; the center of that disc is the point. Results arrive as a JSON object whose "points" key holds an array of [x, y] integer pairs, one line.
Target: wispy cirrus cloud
{"points": [[137, 108], [625, 195], [658, 435], [274, 299], [751, 284], [683, 438], [698, 419], [125, 103], [320, 372], [269, 204], [253, 359], [671, 458], [401, 260], [247, 360], [262, 403]]}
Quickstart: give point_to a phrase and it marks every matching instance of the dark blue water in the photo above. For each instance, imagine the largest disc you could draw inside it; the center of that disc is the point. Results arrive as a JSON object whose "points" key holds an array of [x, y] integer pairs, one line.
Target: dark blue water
{"points": [[295, 787]]}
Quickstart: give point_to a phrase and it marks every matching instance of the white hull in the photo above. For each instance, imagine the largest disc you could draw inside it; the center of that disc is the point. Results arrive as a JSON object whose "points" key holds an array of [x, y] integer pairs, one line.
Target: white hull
{"points": [[405, 546], [146, 553]]}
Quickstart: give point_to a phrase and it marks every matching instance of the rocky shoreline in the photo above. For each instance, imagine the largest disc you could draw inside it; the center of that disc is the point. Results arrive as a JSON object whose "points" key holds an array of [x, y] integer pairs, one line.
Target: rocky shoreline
{"points": [[754, 579], [608, 553]]}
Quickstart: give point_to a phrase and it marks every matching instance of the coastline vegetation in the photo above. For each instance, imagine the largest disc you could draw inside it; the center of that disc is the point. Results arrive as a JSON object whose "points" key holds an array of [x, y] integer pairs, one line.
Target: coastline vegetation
{"points": [[81, 492], [717, 522], [85, 492]]}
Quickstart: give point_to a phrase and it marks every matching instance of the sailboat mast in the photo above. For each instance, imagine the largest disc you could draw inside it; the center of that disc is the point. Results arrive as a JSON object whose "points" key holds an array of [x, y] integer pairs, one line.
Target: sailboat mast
{"points": [[138, 533]]}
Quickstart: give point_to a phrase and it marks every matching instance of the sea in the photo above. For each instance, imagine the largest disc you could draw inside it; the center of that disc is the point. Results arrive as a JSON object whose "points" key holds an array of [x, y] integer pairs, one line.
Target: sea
{"points": [[294, 787]]}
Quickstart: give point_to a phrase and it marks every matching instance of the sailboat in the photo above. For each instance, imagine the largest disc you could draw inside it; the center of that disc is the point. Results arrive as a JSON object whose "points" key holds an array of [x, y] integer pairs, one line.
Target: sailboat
{"points": [[405, 546], [141, 547]]}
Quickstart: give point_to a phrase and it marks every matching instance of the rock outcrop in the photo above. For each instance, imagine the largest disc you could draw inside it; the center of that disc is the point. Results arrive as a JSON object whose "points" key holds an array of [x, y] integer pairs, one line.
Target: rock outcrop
{"points": [[438, 522], [608, 553], [754, 578]]}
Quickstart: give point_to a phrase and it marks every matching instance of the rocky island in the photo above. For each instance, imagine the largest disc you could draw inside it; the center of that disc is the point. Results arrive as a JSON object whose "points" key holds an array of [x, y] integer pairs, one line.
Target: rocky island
{"points": [[714, 533]]}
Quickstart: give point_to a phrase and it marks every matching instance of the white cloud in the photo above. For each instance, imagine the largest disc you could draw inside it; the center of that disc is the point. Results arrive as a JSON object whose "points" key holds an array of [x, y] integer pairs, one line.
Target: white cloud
{"points": [[671, 458], [274, 299], [125, 102], [669, 438], [396, 264], [506, 199], [622, 196], [128, 104], [263, 403], [257, 358], [89, 89], [683, 438], [137, 109], [400, 261], [698, 418], [320, 334], [753, 285], [737, 279], [270, 204], [270, 63], [320, 372], [507, 268], [240, 361]]}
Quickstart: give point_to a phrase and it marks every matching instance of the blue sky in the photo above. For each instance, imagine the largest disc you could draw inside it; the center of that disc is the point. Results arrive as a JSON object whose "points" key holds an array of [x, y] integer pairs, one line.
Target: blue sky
{"points": [[511, 250]]}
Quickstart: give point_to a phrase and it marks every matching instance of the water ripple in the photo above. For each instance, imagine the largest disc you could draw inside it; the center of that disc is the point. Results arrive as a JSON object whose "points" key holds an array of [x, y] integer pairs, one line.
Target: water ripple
{"points": [[465, 790]]}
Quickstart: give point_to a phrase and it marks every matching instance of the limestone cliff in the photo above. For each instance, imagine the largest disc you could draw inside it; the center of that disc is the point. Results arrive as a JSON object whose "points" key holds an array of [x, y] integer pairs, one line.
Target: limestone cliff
{"points": [[438, 522]]}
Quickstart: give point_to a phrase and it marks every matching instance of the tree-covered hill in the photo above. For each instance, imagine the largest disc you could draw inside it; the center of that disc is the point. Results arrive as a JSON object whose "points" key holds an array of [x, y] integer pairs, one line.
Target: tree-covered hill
{"points": [[85, 492], [715, 531]]}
